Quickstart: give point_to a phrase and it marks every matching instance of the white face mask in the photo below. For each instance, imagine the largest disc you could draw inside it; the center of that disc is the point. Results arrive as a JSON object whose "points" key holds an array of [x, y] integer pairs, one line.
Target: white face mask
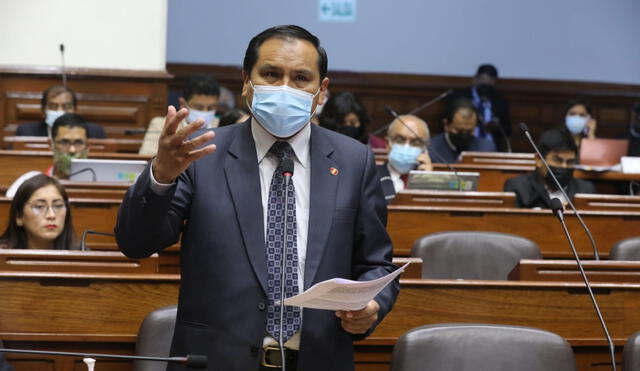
{"points": [[207, 116], [52, 116], [576, 124]]}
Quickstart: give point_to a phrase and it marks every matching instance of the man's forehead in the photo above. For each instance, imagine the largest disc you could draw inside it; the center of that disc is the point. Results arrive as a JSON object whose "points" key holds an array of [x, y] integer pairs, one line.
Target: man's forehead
{"points": [[293, 53], [74, 132], [64, 96]]}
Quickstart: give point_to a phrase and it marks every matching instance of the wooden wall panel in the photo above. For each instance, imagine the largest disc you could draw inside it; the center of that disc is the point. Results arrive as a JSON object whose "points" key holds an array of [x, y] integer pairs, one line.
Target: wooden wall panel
{"points": [[539, 103]]}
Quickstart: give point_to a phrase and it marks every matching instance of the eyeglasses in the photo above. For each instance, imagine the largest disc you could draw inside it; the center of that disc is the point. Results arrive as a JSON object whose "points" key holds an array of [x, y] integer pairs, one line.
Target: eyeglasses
{"points": [[416, 142], [60, 106], [41, 208], [66, 143]]}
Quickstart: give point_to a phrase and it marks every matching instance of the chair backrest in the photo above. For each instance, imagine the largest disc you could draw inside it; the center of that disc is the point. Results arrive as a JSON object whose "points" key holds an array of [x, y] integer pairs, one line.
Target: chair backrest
{"points": [[627, 249], [472, 255], [479, 347], [631, 353], [154, 338]]}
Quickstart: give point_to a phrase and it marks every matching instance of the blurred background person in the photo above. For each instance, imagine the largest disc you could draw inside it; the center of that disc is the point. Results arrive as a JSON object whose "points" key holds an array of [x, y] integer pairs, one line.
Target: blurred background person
{"points": [[537, 188], [200, 96], [56, 101], [39, 217], [579, 121], [68, 141], [460, 122], [233, 116], [344, 113], [407, 140], [492, 108]]}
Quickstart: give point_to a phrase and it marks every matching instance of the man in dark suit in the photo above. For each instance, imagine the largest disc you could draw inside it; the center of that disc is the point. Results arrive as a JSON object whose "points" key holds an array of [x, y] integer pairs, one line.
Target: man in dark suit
{"points": [[460, 122], [536, 189], [225, 199], [495, 120], [56, 101]]}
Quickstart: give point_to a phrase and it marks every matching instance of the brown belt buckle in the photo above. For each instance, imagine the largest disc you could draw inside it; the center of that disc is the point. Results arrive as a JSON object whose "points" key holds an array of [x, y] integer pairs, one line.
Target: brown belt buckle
{"points": [[264, 362]]}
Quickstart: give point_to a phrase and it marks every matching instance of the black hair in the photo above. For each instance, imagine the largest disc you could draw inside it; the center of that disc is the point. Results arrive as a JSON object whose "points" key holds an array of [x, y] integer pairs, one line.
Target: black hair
{"points": [[578, 102], [69, 120], [202, 84], [15, 237], [284, 32], [487, 69], [231, 117], [458, 104], [339, 106], [558, 139], [54, 91]]}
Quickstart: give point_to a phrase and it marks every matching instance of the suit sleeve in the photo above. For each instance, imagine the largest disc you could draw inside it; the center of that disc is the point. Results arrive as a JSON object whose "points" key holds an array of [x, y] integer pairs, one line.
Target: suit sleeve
{"points": [[148, 222], [373, 250], [510, 185]]}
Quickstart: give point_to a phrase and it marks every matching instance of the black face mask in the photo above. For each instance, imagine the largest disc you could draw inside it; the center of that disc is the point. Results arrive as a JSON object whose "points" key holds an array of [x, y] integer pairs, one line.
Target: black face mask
{"points": [[350, 131], [485, 90], [564, 176], [461, 141]]}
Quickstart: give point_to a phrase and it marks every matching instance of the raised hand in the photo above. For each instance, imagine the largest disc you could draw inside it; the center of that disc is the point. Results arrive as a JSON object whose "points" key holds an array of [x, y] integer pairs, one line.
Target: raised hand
{"points": [[175, 150]]}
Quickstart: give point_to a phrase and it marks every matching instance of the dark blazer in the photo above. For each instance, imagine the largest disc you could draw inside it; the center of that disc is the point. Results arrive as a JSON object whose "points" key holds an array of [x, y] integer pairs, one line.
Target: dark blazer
{"points": [[385, 182], [443, 152], [4, 365], [530, 191], [39, 129], [216, 205], [499, 108]]}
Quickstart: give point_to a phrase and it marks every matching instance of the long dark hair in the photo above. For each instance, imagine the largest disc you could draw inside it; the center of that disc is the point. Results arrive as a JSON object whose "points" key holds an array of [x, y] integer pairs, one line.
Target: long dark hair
{"points": [[338, 107], [15, 237]]}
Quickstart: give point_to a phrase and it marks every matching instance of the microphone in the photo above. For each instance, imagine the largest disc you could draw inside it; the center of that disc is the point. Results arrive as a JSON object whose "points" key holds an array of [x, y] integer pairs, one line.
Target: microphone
{"points": [[416, 110], [557, 209], [431, 102], [525, 129], [83, 240], [190, 361], [64, 70], [287, 172], [431, 151]]}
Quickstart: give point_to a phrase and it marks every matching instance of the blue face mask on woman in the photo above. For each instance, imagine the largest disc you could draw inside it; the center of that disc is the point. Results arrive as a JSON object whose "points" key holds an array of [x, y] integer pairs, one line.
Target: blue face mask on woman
{"points": [[281, 110], [404, 157]]}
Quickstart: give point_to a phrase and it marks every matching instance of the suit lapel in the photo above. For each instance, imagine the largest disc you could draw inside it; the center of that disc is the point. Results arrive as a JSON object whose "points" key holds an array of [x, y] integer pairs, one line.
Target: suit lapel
{"points": [[243, 181], [322, 202]]}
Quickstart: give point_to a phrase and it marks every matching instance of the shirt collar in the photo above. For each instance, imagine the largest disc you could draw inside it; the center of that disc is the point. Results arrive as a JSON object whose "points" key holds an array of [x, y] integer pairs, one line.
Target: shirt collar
{"points": [[299, 142]]}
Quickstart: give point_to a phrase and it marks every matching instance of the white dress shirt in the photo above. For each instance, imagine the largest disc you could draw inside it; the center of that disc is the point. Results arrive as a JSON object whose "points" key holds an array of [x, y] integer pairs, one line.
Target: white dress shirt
{"points": [[267, 164], [396, 178]]}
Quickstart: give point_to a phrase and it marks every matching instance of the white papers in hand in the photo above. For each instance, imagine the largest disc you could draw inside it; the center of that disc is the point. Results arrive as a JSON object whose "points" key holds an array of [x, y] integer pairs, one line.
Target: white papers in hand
{"points": [[342, 294]]}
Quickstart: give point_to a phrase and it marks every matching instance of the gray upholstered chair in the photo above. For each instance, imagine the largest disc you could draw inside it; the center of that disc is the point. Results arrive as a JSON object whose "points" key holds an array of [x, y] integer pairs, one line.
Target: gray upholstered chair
{"points": [[631, 353], [628, 249], [478, 347], [154, 338], [472, 255]]}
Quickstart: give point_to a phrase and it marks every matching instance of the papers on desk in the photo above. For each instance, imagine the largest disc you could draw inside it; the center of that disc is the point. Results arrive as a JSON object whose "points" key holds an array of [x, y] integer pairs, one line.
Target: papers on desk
{"points": [[342, 294]]}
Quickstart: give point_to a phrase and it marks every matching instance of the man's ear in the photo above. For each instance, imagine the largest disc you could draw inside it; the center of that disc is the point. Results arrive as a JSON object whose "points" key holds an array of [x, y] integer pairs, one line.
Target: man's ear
{"points": [[245, 83], [324, 88]]}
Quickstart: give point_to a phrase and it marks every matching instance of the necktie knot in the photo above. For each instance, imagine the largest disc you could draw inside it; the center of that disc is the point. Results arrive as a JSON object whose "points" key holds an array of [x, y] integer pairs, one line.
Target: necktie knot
{"points": [[282, 150]]}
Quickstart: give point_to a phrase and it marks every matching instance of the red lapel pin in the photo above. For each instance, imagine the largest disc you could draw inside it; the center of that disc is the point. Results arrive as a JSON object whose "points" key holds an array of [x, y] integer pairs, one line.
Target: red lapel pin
{"points": [[333, 171]]}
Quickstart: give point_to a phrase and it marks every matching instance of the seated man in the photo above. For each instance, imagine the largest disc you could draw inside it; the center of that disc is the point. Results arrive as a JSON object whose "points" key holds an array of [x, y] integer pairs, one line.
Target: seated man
{"points": [[407, 138], [536, 189], [56, 101], [69, 141], [460, 123], [200, 96]]}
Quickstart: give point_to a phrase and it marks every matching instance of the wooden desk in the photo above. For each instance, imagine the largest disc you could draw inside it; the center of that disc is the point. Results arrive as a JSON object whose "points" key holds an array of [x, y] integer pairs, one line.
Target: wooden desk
{"points": [[24, 143], [408, 223], [606, 202], [492, 176], [454, 198], [498, 158], [604, 271]]}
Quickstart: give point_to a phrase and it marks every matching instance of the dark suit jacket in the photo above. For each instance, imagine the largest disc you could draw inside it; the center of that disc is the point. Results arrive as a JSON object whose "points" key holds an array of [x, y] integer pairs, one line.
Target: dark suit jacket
{"points": [[443, 152], [39, 129], [499, 108], [530, 191], [216, 205], [385, 182]]}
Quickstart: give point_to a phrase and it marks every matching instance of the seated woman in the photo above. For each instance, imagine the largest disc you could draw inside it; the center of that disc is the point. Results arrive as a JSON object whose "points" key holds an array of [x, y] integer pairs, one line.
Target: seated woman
{"points": [[39, 217], [578, 119], [345, 114]]}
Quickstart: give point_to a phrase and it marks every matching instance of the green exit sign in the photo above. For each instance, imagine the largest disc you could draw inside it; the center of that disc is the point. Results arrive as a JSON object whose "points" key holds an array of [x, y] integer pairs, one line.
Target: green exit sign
{"points": [[337, 10]]}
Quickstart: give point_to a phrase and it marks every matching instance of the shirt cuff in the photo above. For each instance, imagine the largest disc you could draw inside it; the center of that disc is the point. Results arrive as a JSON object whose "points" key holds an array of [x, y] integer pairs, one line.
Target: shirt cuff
{"points": [[160, 189]]}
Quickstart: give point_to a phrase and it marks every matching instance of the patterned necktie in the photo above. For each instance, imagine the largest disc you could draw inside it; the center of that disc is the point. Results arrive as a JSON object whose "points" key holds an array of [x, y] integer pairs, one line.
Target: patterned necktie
{"points": [[274, 244]]}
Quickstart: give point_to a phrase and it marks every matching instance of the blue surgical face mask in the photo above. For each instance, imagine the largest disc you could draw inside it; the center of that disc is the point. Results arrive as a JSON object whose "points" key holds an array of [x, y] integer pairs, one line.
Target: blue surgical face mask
{"points": [[52, 116], [281, 110], [576, 124], [404, 157], [207, 116]]}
